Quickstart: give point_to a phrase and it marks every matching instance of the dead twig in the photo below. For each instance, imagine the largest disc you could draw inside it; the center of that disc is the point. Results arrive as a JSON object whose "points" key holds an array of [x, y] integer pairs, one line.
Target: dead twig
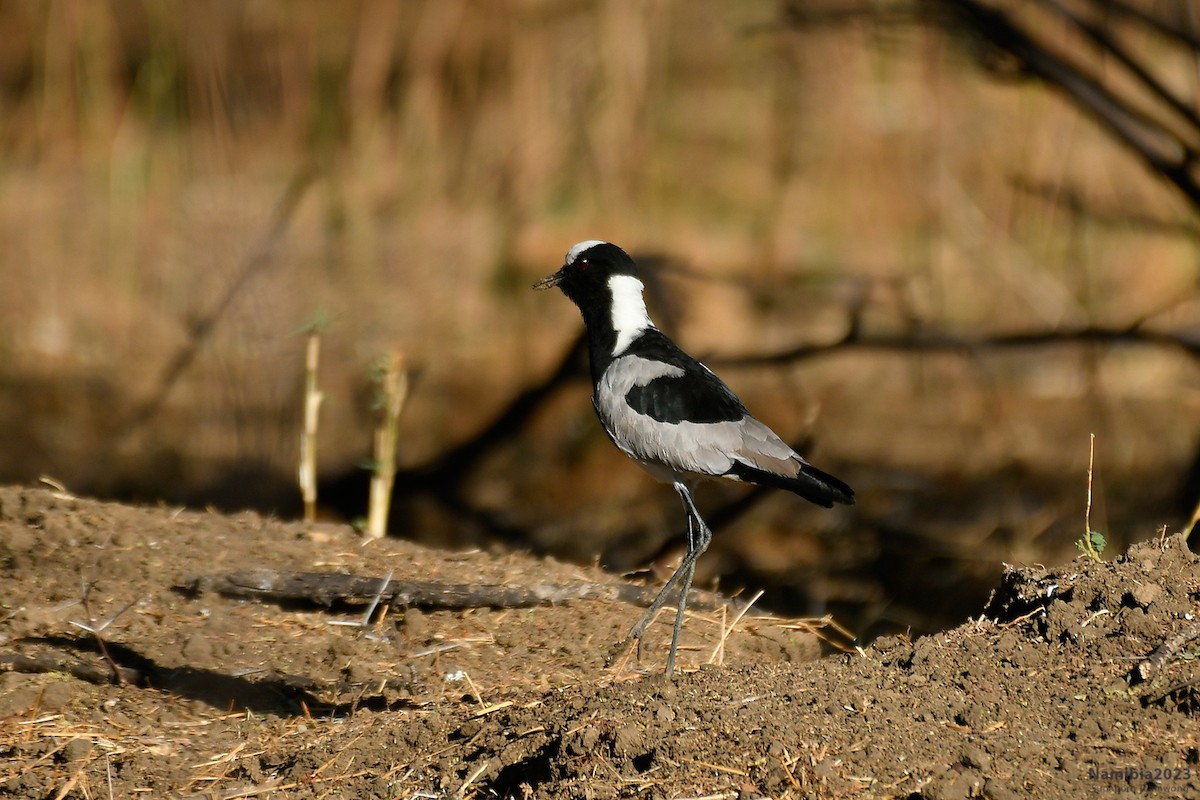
{"points": [[365, 622], [1165, 652], [97, 628]]}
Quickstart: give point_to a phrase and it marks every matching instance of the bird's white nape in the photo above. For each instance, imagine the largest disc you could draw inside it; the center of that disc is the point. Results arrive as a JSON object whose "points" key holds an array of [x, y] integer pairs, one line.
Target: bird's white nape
{"points": [[579, 247], [629, 315]]}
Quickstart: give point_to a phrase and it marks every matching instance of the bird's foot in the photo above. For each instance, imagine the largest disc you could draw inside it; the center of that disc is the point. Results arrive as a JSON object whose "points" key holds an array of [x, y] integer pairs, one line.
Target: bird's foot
{"points": [[621, 650]]}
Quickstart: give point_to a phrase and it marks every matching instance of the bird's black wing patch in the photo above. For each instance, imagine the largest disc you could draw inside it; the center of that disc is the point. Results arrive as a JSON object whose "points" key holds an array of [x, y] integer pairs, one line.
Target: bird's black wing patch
{"points": [[695, 396]]}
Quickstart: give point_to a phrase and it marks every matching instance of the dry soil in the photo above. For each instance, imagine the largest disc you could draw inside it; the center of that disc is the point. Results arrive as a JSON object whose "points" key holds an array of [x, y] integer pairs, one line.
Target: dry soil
{"points": [[1050, 692]]}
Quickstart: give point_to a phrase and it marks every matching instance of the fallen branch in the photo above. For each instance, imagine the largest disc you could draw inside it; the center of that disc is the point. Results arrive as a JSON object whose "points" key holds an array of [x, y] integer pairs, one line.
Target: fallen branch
{"points": [[51, 662], [327, 588]]}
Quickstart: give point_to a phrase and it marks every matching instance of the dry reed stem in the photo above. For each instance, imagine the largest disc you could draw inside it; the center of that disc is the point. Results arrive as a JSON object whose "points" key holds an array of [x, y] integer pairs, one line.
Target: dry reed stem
{"points": [[308, 436], [1089, 544], [394, 391], [1087, 511]]}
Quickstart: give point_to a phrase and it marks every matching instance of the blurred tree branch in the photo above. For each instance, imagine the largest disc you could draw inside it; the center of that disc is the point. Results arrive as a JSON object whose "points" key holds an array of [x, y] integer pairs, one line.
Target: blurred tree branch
{"points": [[1093, 65], [1154, 123], [925, 341], [201, 328], [1073, 199]]}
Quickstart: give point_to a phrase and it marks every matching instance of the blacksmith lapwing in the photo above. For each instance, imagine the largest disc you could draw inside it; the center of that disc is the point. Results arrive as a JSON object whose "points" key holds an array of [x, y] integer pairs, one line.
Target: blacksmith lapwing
{"points": [[670, 413]]}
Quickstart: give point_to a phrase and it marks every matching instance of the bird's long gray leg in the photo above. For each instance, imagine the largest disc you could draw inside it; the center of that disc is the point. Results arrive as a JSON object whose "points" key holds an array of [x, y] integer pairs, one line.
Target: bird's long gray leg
{"points": [[683, 593], [697, 543], [699, 537], [660, 599]]}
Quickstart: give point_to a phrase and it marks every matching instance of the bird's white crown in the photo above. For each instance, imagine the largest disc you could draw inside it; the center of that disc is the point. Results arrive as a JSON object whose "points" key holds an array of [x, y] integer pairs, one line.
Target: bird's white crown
{"points": [[579, 247]]}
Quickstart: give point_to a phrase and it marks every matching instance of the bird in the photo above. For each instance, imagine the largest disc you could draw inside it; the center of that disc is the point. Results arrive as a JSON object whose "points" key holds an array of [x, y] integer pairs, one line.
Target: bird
{"points": [[669, 412]]}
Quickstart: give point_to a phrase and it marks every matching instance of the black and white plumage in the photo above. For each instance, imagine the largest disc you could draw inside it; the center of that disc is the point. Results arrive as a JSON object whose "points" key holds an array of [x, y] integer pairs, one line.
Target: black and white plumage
{"points": [[670, 413]]}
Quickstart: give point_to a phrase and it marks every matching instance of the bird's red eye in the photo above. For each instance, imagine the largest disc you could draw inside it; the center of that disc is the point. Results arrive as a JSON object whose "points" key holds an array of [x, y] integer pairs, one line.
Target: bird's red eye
{"points": [[581, 263]]}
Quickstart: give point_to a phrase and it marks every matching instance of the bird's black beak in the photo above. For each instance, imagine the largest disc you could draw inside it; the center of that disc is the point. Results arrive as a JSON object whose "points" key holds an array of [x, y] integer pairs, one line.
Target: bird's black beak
{"points": [[550, 280]]}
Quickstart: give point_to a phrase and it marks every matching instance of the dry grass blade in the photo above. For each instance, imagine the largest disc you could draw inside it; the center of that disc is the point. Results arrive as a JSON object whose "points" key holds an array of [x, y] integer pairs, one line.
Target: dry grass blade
{"points": [[474, 776], [716, 767], [718, 654], [483, 712], [819, 626]]}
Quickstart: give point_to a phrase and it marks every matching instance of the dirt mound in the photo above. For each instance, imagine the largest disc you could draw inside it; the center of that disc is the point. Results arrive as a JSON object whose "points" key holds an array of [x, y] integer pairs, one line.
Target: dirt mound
{"points": [[1075, 682]]}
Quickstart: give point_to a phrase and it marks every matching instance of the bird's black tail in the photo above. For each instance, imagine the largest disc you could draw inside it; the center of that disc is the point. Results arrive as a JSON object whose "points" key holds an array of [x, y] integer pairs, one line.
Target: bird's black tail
{"points": [[810, 483]]}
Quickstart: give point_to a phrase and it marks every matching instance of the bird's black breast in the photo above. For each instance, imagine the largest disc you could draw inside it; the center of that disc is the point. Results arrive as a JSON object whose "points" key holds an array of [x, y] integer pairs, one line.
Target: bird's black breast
{"points": [[696, 395]]}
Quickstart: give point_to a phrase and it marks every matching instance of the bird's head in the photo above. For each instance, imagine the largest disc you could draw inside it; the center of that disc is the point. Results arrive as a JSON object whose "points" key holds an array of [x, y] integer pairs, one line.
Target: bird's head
{"points": [[587, 272]]}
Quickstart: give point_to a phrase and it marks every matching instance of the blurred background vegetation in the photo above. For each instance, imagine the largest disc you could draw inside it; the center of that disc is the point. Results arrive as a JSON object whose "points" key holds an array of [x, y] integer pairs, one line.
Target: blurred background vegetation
{"points": [[902, 247]]}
